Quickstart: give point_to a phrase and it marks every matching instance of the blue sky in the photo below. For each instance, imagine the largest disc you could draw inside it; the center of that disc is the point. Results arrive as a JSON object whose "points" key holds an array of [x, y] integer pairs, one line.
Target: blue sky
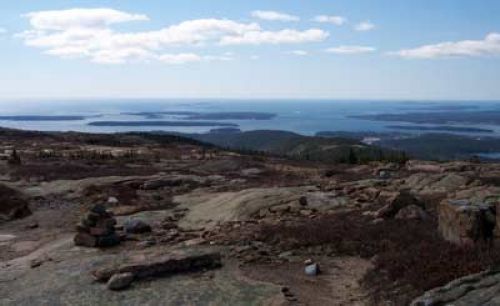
{"points": [[356, 49]]}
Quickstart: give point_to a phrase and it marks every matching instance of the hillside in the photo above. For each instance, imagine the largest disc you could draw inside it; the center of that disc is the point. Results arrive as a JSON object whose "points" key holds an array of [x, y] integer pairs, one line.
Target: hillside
{"points": [[295, 146], [147, 218]]}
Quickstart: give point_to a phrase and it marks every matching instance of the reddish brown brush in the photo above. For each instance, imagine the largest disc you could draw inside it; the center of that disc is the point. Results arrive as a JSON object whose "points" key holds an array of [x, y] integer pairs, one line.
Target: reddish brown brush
{"points": [[408, 254]]}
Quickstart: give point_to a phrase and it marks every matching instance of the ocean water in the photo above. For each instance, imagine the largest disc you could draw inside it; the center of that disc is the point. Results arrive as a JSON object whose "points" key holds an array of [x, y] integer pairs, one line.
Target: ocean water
{"points": [[306, 117]]}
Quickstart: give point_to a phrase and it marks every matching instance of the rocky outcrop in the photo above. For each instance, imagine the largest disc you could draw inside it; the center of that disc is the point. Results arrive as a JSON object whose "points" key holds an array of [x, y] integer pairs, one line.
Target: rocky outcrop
{"points": [[476, 289], [191, 181], [206, 209], [421, 166], [464, 222], [411, 212], [12, 204], [120, 281], [136, 226], [153, 265], [398, 202]]}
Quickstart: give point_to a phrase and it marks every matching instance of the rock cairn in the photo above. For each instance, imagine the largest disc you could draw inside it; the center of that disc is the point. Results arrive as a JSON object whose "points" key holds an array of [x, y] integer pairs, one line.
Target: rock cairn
{"points": [[97, 229]]}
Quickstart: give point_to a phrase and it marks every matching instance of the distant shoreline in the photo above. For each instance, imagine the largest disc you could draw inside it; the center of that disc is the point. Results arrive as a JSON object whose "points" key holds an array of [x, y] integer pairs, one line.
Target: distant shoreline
{"points": [[446, 128], [161, 123], [41, 118]]}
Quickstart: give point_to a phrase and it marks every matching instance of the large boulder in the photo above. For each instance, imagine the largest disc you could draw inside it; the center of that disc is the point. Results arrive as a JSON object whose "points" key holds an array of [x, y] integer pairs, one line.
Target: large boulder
{"points": [[411, 212], [397, 202], [12, 204], [136, 226], [465, 223], [161, 264], [477, 289]]}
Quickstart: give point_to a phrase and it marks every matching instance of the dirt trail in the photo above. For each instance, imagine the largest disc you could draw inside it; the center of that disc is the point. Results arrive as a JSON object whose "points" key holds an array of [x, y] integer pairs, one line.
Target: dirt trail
{"points": [[338, 284]]}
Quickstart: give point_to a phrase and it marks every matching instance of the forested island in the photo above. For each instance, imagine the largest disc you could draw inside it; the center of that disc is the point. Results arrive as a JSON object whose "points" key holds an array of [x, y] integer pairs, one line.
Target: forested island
{"points": [[446, 128], [161, 123]]}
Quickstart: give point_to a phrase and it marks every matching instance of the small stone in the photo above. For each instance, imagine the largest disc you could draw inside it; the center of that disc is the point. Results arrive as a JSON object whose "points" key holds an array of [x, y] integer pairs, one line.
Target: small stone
{"points": [[106, 223], [306, 212], [99, 231], [85, 239], [146, 244], [92, 217], [82, 228], [303, 201], [88, 223], [312, 270], [136, 226], [113, 200], [286, 292], [32, 225], [412, 212], [108, 241], [99, 209], [36, 263], [308, 261], [120, 281], [286, 254]]}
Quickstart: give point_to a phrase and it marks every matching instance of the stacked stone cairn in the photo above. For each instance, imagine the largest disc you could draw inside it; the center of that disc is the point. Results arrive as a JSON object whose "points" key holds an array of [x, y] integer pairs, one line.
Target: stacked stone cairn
{"points": [[97, 229]]}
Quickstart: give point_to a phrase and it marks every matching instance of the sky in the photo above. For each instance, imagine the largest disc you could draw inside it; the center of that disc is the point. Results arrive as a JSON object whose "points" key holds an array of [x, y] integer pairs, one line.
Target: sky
{"points": [[273, 49]]}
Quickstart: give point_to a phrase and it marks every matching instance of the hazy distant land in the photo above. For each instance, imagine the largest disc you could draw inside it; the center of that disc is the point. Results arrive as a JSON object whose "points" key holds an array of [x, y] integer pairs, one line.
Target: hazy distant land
{"points": [[41, 118], [161, 123], [446, 107], [473, 117], [206, 116], [446, 128], [233, 116]]}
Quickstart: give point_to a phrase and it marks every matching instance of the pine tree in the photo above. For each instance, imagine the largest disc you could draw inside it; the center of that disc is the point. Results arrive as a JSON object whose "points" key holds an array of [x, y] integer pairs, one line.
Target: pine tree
{"points": [[14, 159], [352, 158]]}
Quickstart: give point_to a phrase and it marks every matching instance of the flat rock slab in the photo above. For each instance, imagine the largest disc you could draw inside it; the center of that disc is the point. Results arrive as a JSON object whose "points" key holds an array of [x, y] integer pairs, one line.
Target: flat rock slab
{"points": [[25, 246], [477, 289], [151, 265], [6, 237], [67, 280]]}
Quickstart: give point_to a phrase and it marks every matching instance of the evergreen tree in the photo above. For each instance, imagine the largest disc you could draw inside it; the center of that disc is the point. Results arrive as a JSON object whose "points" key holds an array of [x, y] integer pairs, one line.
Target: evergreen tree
{"points": [[352, 158]]}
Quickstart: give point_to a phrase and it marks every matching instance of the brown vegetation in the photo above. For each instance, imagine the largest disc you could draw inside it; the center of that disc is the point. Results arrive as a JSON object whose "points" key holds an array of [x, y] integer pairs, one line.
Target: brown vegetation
{"points": [[409, 256]]}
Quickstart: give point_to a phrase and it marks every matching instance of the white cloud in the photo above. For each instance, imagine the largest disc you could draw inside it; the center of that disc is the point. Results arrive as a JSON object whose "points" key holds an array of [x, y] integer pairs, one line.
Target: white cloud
{"points": [[80, 18], [226, 57], [336, 20], [274, 16], [364, 26], [3, 30], [182, 58], [489, 46], [347, 50], [298, 52], [88, 33], [286, 36], [254, 57]]}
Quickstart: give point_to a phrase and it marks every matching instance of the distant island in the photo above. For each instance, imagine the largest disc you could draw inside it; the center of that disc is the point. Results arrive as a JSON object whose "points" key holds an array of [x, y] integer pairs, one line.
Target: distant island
{"points": [[232, 116], [226, 130], [446, 128], [41, 118], [446, 107], [161, 123], [205, 116], [471, 117], [158, 115]]}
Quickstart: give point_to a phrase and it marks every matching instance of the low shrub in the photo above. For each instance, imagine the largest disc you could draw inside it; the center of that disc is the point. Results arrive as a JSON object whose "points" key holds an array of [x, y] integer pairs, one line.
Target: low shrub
{"points": [[407, 254]]}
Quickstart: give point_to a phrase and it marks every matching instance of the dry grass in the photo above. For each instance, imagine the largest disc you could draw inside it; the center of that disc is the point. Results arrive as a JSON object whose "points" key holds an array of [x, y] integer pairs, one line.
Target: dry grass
{"points": [[409, 256]]}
